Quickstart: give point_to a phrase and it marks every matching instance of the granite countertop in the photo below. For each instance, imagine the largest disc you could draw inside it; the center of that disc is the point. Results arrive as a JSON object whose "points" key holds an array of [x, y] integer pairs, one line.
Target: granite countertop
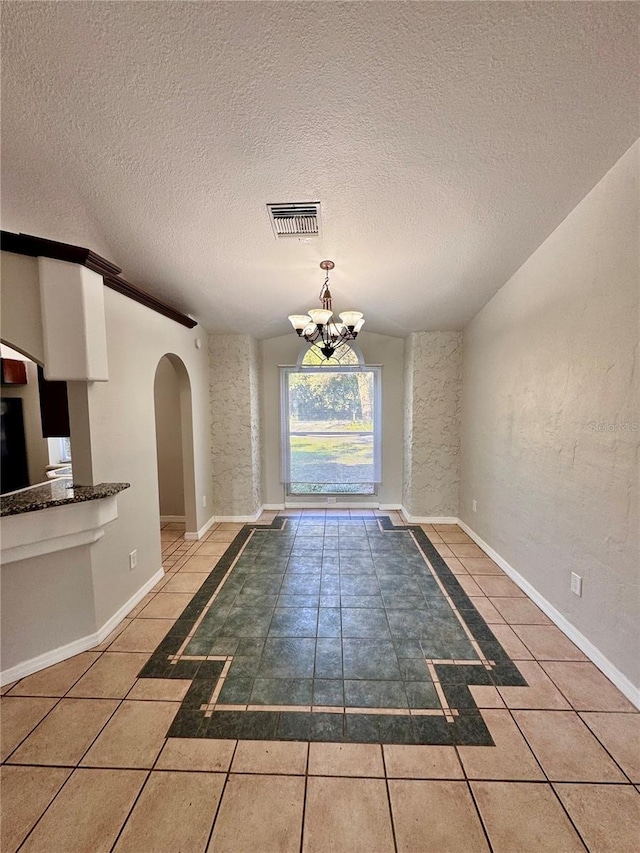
{"points": [[56, 493]]}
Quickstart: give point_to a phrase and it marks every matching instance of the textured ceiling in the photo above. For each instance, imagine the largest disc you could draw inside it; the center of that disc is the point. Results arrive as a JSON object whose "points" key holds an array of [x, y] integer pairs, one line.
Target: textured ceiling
{"points": [[444, 140]]}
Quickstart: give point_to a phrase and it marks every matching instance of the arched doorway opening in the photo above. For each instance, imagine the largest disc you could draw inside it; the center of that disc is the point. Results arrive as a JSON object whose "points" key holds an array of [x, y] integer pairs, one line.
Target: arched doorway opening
{"points": [[174, 443]]}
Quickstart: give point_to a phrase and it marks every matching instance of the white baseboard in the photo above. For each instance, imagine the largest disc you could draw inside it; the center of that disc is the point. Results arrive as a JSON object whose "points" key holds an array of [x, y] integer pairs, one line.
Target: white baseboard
{"points": [[198, 534], [240, 519], [594, 654], [272, 507], [234, 519], [428, 519], [82, 644], [164, 518]]}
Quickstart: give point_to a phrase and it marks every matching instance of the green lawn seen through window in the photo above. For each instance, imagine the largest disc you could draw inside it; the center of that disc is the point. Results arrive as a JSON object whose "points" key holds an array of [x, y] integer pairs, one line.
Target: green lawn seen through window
{"points": [[330, 432]]}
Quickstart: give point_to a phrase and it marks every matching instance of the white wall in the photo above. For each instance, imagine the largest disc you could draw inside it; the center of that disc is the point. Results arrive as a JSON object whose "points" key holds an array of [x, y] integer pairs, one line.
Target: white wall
{"points": [[123, 425], [235, 425], [549, 363], [169, 440], [433, 377], [47, 602], [120, 415], [376, 349], [20, 301]]}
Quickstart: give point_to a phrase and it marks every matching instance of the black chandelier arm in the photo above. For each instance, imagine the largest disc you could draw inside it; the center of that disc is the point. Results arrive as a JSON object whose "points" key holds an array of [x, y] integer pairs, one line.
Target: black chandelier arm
{"points": [[329, 335]]}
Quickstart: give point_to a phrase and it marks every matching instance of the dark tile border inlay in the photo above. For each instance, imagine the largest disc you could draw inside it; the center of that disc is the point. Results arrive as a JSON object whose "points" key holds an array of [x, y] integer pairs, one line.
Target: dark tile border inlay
{"points": [[467, 728]]}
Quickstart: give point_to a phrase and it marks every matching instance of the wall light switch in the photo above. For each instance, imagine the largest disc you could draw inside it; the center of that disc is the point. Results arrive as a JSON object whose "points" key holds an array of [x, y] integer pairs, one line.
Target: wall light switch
{"points": [[474, 506], [576, 584], [204, 500], [133, 560]]}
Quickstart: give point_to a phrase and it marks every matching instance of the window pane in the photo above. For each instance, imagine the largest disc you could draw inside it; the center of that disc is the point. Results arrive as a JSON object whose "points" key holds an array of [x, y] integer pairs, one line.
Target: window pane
{"points": [[330, 430], [335, 459], [331, 402], [343, 355], [331, 489]]}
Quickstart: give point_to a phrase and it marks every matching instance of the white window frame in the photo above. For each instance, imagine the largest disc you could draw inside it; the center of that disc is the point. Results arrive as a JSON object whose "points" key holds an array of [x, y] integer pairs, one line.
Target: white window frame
{"points": [[286, 433]]}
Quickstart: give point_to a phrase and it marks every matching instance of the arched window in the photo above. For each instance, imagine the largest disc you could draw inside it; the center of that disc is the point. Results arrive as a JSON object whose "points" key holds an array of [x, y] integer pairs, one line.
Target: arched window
{"points": [[344, 354], [331, 424]]}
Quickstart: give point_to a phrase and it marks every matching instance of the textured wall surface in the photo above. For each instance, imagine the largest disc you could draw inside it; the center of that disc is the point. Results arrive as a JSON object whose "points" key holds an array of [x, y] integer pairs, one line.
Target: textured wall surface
{"points": [[460, 136], [235, 424], [433, 364], [551, 426]]}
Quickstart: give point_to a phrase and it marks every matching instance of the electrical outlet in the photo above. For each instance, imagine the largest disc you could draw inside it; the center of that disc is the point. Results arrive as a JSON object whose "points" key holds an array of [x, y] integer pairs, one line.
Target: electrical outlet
{"points": [[576, 584], [331, 500], [133, 560], [474, 506], [204, 501]]}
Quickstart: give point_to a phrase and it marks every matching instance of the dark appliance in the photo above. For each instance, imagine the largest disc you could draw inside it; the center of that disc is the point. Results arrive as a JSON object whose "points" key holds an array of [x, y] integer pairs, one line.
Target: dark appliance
{"points": [[14, 472]]}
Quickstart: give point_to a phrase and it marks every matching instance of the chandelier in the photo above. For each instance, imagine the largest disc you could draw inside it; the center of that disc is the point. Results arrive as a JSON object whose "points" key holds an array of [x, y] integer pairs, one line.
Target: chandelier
{"points": [[318, 327]]}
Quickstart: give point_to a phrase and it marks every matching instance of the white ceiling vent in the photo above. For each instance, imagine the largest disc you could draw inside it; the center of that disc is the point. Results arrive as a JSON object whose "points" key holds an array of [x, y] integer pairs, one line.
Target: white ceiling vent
{"points": [[300, 219]]}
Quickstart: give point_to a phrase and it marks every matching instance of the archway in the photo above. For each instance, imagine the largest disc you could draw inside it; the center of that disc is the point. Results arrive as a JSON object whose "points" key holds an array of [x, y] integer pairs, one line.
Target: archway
{"points": [[174, 443]]}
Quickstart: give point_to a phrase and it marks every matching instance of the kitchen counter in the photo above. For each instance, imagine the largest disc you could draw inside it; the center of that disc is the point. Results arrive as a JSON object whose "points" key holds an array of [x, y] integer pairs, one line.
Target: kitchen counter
{"points": [[55, 493]]}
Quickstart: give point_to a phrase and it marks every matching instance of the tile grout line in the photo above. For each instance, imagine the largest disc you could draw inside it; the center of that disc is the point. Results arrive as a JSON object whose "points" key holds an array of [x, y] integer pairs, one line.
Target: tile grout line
{"points": [[31, 731], [133, 805], [545, 781], [304, 797], [222, 793], [467, 781], [595, 736], [530, 748], [548, 780], [485, 829], [139, 794], [55, 705], [479, 813], [592, 733], [426, 778], [64, 695], [389, 803], [53, 799], [569, 818], [102, 728], [588, 730], [73, 770]]}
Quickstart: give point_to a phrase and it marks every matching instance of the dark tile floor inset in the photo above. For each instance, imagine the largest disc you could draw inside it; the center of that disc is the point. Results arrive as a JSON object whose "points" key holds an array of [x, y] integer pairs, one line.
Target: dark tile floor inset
{"points": [[332, 630]]}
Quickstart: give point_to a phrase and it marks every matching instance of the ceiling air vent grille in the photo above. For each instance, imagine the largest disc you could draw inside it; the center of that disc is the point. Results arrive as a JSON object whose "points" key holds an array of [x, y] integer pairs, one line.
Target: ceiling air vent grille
{"points": [[301, 219]]}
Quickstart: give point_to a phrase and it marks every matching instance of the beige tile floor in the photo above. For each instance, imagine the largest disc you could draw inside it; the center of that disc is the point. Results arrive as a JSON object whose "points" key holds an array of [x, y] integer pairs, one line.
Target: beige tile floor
{"points": [[87, 768]]}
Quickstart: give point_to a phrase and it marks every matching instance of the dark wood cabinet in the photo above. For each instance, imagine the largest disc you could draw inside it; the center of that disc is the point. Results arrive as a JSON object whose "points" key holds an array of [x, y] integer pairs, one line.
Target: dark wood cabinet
{"points": [[13, 371], [54, 407]]}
